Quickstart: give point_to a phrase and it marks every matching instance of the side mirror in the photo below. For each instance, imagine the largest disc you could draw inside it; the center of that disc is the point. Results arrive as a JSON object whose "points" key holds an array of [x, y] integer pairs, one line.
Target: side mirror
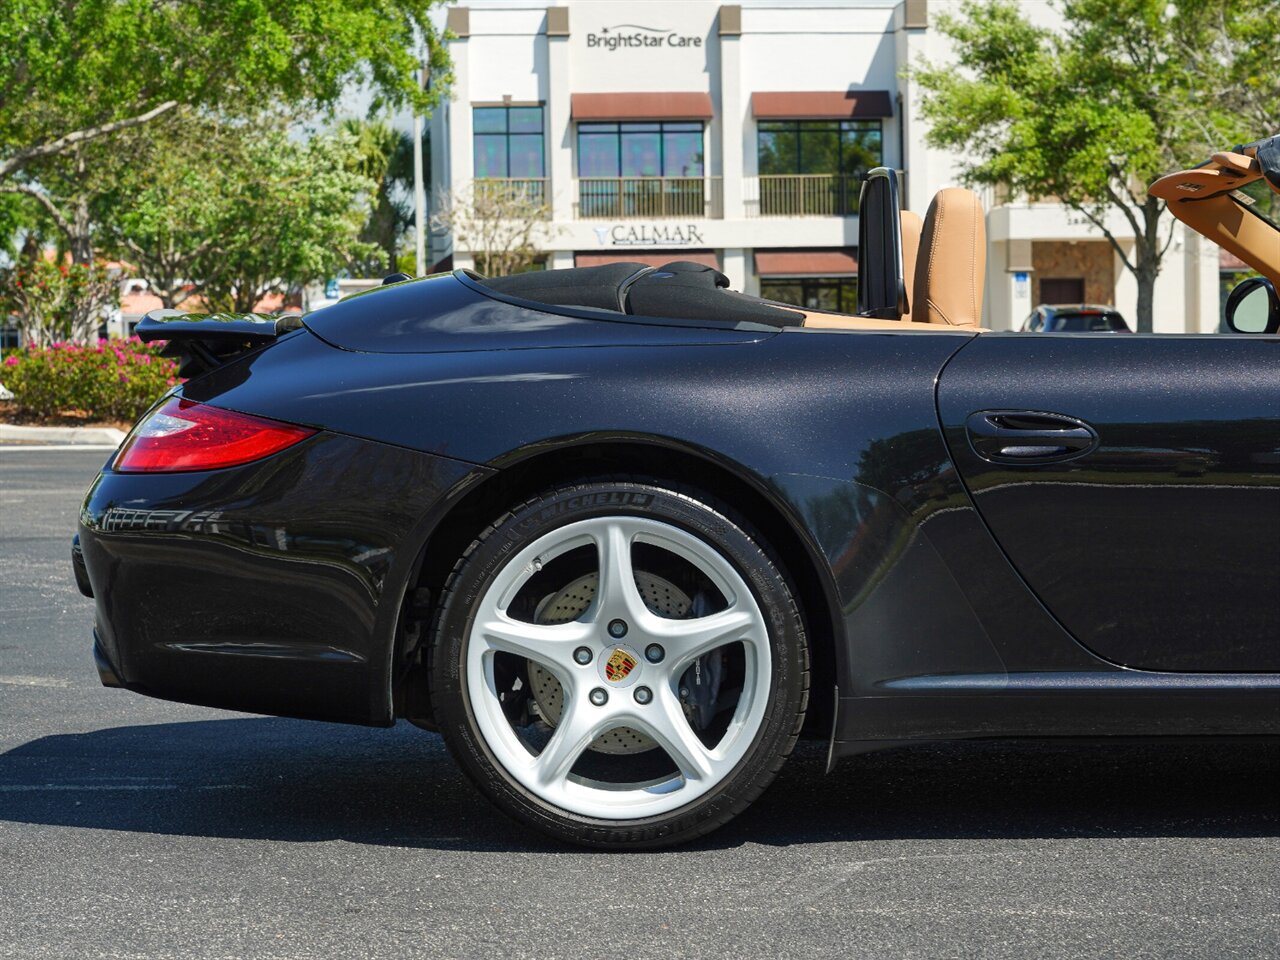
{"points": [[1252, 307]]}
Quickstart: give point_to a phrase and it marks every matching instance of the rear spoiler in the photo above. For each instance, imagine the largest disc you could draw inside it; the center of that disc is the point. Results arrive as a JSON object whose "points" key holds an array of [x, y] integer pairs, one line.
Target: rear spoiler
{"points": [[204, 341]]}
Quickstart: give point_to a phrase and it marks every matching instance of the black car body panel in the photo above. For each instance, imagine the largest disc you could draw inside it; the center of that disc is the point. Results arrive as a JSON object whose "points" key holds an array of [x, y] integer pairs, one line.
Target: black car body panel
{"points": [[451, 312], [273, 587], [927, 624], [1160, 547]]}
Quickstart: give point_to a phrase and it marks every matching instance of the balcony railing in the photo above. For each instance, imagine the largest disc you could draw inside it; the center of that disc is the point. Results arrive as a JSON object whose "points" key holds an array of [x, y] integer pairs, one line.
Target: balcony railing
{"points": [[511, 191], [620, 198], [802, 195]]}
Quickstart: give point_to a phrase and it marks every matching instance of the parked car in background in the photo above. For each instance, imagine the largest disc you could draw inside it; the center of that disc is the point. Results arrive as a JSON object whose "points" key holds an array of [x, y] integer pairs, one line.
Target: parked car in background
{"points": [[1075, 318]]}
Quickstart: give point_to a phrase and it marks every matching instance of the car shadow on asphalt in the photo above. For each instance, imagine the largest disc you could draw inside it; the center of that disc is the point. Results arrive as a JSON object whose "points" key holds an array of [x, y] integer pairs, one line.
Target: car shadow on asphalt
{"points": [[290, 780]]}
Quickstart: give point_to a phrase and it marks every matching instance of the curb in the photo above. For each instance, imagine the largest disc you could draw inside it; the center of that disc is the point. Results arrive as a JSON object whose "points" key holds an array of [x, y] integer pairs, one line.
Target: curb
{"points": [[78, 436]]}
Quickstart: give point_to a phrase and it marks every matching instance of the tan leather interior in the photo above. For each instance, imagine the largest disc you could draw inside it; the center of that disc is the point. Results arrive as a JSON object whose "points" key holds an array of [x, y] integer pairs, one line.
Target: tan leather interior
{"points": [[1201, 198], [951, 266], [1237, 162], [944, 258], [912, 226], [841, 321]]}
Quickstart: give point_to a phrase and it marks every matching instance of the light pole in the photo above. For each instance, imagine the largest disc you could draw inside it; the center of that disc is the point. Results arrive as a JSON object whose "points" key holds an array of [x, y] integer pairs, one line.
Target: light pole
{"points": [[419, 188]]}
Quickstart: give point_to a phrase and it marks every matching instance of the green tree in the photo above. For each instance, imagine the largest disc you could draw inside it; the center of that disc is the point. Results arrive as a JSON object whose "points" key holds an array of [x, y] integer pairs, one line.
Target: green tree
{"points": [[169, 193], [384, 155], [1092, 114], [292, 215], [72, 74], [14, 218]]}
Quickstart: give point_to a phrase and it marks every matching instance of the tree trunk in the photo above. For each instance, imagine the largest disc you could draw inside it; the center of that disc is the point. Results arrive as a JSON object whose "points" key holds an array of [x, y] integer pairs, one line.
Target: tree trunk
{"points": [[1147, 254], [81, 247], [167, 290], [1146, 277], [79, 240]]}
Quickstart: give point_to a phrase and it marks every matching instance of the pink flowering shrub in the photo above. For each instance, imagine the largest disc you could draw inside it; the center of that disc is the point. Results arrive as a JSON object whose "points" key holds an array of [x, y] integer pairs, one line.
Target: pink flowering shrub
{"points": [[109, 380]]}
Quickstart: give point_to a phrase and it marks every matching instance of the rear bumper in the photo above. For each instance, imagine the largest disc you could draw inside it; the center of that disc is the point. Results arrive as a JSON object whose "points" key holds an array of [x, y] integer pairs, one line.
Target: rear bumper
{"points": [[78, 568], [106, 672], [269, 588]]}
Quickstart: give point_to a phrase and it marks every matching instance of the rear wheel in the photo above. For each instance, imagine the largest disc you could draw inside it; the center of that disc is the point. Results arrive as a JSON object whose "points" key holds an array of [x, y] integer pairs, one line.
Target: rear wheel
{"points": [[619, 664]]}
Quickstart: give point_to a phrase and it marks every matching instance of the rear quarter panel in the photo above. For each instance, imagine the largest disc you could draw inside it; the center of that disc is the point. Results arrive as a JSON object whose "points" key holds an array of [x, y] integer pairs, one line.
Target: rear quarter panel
{"points": [[839, 430]]}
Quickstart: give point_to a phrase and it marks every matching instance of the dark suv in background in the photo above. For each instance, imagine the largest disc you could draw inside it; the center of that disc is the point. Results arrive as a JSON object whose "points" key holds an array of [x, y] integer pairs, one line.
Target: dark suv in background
{"points": [[1075, 318]]}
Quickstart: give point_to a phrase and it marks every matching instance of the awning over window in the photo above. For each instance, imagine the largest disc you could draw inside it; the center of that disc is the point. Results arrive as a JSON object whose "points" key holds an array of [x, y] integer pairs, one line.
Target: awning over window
{"points": [[806, 263], [641, 106], [651, 259], [822, 105], [1229, 261]]}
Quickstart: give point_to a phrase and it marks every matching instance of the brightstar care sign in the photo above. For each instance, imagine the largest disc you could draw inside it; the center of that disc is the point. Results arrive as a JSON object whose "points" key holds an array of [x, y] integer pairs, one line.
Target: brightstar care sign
{"points": [[625, 35]]}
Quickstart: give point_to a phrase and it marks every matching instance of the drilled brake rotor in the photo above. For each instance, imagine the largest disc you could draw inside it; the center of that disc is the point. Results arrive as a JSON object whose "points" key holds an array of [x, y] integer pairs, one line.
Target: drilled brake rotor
{"points": [[661, 596]]}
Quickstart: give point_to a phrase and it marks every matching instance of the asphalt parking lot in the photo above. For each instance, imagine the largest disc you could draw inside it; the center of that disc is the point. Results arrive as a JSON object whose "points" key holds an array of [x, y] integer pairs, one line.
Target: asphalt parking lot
{"points": [[136, 828]]}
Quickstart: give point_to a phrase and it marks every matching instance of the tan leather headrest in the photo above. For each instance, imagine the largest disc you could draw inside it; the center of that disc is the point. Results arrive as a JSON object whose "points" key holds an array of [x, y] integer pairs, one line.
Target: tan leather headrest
{"points": [[911, 227], [1236, 163], [951, 266]]}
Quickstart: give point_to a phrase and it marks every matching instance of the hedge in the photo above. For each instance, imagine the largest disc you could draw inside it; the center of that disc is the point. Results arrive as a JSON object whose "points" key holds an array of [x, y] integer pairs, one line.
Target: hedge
{"points": [[109, 380]]}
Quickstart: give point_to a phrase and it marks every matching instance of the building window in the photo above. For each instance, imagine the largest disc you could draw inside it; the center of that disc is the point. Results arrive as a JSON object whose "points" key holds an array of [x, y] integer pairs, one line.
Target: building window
{"points": [[508, 143], [815, 167], [830, 294], [850, 147], [1062, 290], [667, 149], [640, 170]]}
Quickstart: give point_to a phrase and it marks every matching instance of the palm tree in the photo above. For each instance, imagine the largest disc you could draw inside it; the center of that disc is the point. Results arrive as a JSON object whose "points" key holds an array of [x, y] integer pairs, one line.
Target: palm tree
{"points": [[385, 156]]}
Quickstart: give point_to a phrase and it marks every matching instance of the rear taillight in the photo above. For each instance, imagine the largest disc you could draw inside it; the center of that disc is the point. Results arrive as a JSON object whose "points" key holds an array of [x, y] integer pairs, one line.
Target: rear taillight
{"points": [[183, 435]]}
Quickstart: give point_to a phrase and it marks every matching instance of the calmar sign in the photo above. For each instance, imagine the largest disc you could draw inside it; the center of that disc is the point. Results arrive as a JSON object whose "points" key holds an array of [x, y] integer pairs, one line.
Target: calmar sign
{"points": [[650, 235]]}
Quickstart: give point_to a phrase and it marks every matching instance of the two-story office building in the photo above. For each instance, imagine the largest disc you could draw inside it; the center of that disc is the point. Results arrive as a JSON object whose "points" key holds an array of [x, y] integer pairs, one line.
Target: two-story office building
{"points": [[737, 135]]}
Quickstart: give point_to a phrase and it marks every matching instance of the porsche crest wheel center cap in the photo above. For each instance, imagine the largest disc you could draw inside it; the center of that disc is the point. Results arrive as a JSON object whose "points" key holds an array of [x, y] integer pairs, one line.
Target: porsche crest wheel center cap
{"points": [[620, 666]]}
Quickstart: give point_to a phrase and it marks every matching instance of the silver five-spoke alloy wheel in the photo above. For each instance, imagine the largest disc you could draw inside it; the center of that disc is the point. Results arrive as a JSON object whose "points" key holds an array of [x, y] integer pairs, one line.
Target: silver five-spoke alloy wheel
{"points": [[620, 666], [620, 662]]}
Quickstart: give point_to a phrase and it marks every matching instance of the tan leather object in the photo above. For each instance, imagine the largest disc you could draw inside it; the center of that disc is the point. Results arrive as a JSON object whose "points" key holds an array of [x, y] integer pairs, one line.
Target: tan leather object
{"points": [[1201, 198], [951, 266], [1237, 162], [840, 321]]}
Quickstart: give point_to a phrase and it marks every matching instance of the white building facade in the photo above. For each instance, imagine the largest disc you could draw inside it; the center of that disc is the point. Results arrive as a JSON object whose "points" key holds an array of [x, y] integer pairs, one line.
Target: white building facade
{"points": [[736, 135]]}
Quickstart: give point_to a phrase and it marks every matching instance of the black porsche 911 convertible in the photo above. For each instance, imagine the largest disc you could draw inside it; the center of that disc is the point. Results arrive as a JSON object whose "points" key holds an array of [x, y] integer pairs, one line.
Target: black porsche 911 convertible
{"points": [[622, 535]]}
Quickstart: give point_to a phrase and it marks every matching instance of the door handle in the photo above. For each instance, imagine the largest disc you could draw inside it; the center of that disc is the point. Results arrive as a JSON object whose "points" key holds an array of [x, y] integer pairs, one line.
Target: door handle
{"points": [[1028, 436]]}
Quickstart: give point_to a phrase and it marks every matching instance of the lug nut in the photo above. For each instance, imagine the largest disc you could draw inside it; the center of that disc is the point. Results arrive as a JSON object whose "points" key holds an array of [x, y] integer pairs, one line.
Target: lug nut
{"points": [[582, 655], [684, 693], [617, 629], [599, 696], [643, 695], [654, 653]]}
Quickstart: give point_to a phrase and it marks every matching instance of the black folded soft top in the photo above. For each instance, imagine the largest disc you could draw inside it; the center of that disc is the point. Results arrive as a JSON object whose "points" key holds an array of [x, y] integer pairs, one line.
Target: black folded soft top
{"points": [[681, 290]]}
